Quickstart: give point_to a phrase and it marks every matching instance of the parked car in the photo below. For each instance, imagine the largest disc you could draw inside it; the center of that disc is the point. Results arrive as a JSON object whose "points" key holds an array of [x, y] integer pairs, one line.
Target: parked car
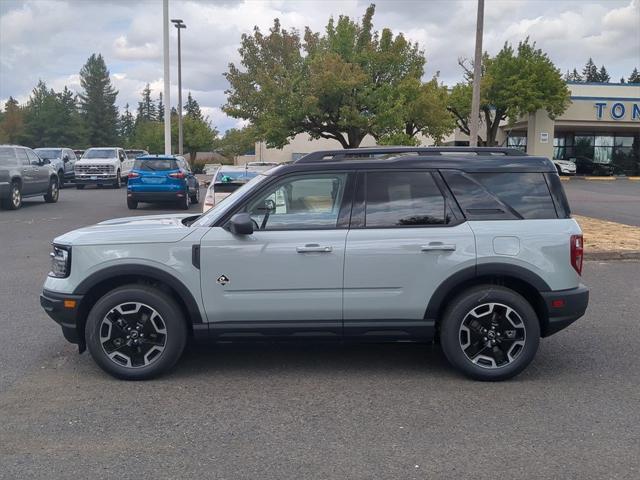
{"points": [[162, 178], [565, 167], [23, 174], [102, 166], [477, 251], [263, 164], [63, 161], [586, 166], [78, 153], [133, 154], [226, 180]]}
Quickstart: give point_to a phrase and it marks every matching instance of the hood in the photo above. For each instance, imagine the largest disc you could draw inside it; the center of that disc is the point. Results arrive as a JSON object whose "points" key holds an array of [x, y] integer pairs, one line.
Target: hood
{"points": [[96, 161], [145, 229]]}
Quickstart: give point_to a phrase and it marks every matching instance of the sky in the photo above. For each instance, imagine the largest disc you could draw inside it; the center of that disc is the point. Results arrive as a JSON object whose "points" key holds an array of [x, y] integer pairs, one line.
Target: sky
{"points": [[52, 39]]}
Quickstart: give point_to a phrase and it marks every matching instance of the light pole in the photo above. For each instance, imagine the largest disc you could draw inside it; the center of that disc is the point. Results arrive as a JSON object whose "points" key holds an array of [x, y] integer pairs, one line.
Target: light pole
{"points": [[179, 24], [167, 78], [477, 73]]}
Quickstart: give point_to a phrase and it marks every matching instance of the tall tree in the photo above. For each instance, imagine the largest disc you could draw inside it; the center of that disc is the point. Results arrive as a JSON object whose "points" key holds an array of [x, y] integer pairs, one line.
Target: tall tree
{"points": [[160, 108], [12, 125], [603, 75], [590, 72], [236, 142], [72, 131], [573, 76], [514, 83], [340, 84], [98, 102], [146, 107], [127, 127], [634, 77], [192, 108]]}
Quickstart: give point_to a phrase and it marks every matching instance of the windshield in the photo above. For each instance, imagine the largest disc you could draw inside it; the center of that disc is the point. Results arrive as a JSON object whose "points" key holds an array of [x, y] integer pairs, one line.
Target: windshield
{"points": [[207, 218], [100, 153], [234, 176], [49, 153], [155, 164]]}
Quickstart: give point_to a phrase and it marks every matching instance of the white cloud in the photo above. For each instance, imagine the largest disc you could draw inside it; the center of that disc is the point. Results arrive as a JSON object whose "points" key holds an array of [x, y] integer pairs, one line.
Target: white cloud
{"points": [[51, 39]]}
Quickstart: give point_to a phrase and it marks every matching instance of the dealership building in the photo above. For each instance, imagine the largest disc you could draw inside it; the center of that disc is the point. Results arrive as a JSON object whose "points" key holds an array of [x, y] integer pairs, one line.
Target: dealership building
{"points": [[601, 125]]}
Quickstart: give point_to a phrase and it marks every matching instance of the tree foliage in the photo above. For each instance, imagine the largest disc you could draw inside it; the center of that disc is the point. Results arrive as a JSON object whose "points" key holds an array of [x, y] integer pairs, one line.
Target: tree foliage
{"points": [[514, 83], [603, 75], [146, 107], [236, 141], [343, 84], [634, 77], [192, 109], [12, 124], [98, 102], [590, 71]]}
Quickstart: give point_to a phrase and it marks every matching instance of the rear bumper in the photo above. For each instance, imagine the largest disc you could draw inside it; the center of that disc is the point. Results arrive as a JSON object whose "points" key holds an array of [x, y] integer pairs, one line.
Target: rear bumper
{"points": [[67, 318], [159, 196], [564, 307]]}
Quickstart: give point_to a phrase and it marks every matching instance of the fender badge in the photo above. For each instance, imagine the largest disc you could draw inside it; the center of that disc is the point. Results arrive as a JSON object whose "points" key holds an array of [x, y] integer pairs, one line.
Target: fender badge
{"points": [[223, 280]]}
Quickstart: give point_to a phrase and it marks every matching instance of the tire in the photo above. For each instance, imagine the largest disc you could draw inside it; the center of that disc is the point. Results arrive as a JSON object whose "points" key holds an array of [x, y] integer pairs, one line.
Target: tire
{"points": [[79, 186], [146, 312], [60, 180], [185, 203], [516, 338], [14, 201], [117, 183], [132, 204], [195, 198], [53, 192]]}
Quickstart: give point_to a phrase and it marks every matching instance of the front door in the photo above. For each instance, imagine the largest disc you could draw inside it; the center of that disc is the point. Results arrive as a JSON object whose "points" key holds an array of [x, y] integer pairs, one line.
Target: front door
{"points": [[287, 277], [408, 242]]}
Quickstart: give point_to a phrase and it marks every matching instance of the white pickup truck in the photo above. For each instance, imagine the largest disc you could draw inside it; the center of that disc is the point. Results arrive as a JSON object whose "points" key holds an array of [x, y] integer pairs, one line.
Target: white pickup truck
{"points": [[102, 166]]}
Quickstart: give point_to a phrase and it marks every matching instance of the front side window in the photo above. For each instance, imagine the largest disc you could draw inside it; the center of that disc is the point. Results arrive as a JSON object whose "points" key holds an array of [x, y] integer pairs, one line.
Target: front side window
{"points": [[401, 199], [299, 203], [33, 158]]}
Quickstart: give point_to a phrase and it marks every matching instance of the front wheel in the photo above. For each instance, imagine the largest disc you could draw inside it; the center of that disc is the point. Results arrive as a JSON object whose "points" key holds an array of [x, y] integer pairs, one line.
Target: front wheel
{"points": [[61, 179], [53, 192], [118, 181], [490, 333], [136, 332]]}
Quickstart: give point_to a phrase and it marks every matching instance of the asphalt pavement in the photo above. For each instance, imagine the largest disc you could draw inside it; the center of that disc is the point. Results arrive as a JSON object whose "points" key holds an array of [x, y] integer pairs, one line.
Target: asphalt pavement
{"points": [[614, 200], [305, 412]]}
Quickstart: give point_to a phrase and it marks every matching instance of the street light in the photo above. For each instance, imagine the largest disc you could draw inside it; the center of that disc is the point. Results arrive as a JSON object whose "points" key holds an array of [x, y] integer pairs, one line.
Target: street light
{"points": [[179, 24]]}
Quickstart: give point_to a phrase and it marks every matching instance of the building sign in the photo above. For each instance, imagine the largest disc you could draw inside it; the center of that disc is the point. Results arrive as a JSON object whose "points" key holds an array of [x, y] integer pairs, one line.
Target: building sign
{"points": [[618, 110], [544, 137]]}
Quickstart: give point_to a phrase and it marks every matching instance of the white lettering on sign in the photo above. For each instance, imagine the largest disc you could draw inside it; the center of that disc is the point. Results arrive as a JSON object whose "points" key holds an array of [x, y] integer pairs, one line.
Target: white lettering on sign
{"points": [[544, 137]]}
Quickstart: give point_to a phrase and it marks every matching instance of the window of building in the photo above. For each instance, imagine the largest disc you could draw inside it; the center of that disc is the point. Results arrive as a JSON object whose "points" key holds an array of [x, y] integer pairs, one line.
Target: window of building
{"points": [[403, 199], [518, 142]]}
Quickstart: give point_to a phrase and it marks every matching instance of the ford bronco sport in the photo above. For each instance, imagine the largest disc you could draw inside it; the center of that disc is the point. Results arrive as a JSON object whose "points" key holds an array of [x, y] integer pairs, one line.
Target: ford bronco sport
{"points": [[471, 247]]}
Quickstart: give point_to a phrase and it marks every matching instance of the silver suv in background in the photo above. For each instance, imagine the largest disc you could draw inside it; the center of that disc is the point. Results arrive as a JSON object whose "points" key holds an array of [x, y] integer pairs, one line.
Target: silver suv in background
{"points": [[226, 180], [63, 161], [475, 249], [24, 174]]}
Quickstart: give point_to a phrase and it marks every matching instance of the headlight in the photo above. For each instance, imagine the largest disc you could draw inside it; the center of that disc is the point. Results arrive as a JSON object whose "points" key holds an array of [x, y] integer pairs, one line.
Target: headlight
{"points": [[60, 262]]}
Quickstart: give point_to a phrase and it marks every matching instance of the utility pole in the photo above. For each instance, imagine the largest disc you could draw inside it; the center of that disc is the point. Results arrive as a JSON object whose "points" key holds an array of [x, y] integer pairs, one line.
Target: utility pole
{"points": [[167, 78], [477, 73], [179, 24]]}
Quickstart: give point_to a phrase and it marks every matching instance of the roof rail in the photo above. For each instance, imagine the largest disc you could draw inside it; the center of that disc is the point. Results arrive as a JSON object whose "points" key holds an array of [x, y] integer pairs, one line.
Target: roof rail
{"points": [[369, 152]]}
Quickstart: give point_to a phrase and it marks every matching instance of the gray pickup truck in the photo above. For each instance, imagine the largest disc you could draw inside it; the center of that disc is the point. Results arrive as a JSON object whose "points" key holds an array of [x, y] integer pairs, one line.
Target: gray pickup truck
{"points": [[24, 174]]}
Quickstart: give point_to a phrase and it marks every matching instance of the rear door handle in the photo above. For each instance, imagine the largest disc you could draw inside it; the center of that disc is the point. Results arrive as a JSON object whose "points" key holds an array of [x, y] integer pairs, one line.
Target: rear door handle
{"points": [[433, 247], [314, 247]]}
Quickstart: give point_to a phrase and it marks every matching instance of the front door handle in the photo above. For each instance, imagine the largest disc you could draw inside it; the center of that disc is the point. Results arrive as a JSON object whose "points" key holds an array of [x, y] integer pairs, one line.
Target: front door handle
{"points": [[437, 246], [314, 247]]}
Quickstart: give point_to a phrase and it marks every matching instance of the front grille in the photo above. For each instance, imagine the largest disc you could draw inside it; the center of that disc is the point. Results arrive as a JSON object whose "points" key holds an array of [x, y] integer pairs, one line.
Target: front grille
{"points": [[94, 169]]}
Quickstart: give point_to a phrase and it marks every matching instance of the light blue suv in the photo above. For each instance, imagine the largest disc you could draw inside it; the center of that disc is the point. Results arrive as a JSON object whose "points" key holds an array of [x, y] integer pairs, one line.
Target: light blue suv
{"points": [[473, 248]]}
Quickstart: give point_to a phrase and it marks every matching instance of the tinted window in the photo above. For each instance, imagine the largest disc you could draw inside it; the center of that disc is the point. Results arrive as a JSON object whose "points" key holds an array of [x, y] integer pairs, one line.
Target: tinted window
{"points": [[22, 156], [155, 164], [403, 199], [234, 176], [302, 202], [7, 156], [526, 193], [50, 153]]}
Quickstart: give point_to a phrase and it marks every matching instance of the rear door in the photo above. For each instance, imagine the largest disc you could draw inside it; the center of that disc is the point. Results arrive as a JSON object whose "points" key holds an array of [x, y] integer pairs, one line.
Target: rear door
{"points": [[405, 240], [41, 173]]}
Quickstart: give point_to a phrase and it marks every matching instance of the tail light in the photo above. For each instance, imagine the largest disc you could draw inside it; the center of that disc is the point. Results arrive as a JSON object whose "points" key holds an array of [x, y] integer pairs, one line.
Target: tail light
{"points": [[177, 175], [577, 253], [133, 175]]}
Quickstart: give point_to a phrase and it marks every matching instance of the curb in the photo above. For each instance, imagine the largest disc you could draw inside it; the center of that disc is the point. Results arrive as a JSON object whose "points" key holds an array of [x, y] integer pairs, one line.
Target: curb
{"points": [[613, 255]]}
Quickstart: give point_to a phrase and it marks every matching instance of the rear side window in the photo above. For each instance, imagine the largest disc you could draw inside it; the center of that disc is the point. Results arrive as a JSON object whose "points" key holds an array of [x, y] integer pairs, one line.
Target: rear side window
{"points": [[501, 196], [7, 156], [155, 164], [397, 199], [22, 156]]}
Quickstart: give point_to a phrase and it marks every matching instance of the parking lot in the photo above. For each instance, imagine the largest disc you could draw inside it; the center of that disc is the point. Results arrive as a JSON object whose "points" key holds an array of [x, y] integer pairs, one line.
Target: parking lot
{"points": [[613, 200], [363, 411]]}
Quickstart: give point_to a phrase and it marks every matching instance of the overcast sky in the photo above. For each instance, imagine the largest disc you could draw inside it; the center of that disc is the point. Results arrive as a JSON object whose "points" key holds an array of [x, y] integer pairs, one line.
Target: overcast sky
{"points": [[51, 40]]}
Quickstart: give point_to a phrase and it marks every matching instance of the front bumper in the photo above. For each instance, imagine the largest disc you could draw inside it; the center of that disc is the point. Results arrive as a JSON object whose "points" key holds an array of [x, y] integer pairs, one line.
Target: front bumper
{"points": [[95, 179], [65, 316], [563, 308]]}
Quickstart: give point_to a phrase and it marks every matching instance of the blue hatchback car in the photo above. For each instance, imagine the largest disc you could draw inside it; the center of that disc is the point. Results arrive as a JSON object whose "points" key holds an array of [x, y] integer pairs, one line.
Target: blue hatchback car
{"points": [[162, 178]]}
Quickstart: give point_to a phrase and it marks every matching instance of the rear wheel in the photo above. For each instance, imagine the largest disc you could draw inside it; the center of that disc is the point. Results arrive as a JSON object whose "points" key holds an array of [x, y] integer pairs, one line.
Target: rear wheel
{"points": [[14, 201], [490, 333], [61, 179], [53, 192], [132, 204], [136, 332], [195, 198], [185, 202]]}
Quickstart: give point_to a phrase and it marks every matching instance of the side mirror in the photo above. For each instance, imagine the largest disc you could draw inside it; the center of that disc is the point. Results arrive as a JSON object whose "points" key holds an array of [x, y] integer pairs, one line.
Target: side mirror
{"points": [[45, 161], [65, 159], [241, 224]]}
